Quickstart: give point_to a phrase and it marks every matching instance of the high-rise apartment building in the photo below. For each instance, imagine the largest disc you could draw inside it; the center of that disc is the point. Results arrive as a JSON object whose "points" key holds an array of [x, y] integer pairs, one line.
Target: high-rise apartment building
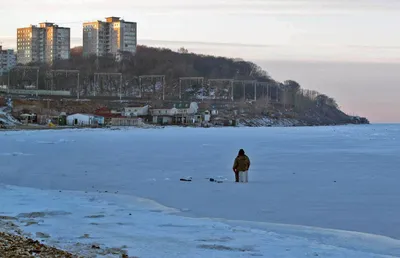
{"points": [[44, 43], [110, 37], [7, 60]]}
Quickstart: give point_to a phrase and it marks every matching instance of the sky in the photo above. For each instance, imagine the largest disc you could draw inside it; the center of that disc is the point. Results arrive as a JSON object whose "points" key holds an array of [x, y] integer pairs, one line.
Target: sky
{"points": [[349, 50]]}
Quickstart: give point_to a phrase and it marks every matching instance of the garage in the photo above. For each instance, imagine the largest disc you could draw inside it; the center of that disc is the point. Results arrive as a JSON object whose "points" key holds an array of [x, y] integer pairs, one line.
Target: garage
{"points": [[84, 120]]}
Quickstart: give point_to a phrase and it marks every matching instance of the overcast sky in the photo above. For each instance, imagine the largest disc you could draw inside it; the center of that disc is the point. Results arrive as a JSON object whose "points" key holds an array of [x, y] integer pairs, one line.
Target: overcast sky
{"points": [[347, 49]]}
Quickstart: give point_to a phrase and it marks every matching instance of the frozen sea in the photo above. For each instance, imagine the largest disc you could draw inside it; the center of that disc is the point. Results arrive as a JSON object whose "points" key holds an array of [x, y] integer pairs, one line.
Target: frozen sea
{"points": [[312, 190]]}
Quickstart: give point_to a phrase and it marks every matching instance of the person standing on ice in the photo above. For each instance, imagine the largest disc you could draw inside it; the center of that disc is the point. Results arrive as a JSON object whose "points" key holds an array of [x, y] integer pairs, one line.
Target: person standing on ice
{"points": [[241, 167]]}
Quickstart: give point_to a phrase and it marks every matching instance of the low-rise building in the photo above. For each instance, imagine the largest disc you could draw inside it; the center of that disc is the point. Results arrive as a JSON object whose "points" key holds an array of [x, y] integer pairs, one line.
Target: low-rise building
{"points": [[214, 112], [175, 113], [163, 114], [84, 120], [28, 118], [186, 108], [206, 116], [126, 121], [107, 113], [186, 113]]}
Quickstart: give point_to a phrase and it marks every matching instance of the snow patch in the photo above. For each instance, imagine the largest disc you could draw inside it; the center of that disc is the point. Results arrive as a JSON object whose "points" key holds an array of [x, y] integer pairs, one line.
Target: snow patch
{"points": [[15, 154], [55, 142]]}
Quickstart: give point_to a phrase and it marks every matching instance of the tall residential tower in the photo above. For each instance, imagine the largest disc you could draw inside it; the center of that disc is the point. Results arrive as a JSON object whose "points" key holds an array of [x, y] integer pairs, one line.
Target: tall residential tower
{"points": [[46, 43], [110, 37], [7, 60]]}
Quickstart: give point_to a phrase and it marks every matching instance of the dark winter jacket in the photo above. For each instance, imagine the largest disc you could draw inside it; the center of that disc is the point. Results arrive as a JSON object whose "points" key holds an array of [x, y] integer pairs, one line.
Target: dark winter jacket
{"points": [[242, 163]]}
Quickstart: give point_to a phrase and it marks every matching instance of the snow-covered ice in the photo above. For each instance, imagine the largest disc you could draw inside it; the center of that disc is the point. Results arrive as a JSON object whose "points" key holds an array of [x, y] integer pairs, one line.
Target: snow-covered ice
{"points": [[308, 188], [145, 229]]}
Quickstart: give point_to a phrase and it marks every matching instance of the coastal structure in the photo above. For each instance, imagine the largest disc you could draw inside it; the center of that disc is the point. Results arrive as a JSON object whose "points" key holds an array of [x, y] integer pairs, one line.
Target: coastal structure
{"points": [[7, 60], [113, 36], [44, 43], [84, 120], [176, 113]]}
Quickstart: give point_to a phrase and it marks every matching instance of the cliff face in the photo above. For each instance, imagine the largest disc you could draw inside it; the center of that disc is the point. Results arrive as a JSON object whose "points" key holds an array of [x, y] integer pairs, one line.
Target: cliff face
{"points": [[318, 120], [253, 114], [315, 120]]}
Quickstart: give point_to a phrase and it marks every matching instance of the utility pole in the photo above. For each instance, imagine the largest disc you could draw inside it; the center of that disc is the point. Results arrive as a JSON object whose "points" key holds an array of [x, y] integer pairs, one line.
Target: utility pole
{"points": [[157, 78], [79, 87], [230, 81], [24, 69], [197, 80], [244, 82], [98, 75], [163, 88], [120, 87], [56, 72], [37, 82], [8, 81], [264, 85]]}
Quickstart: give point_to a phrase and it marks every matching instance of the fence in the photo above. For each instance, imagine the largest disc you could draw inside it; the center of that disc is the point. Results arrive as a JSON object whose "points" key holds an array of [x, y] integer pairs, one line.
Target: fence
{"points": [[126, 121]]}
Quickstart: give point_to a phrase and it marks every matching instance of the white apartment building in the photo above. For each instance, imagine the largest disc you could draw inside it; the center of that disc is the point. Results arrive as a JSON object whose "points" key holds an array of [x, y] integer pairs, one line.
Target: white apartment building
{"points": [[7, 60], [110, 37], [44, 43]]}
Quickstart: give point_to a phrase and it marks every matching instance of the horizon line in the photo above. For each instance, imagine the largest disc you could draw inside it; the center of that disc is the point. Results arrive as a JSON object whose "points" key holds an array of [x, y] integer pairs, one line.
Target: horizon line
{"points": [[215, 43]]}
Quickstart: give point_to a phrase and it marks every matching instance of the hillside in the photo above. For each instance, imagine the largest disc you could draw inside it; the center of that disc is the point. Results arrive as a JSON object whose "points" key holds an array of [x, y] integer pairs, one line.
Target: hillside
{"points": [[155, 74]]}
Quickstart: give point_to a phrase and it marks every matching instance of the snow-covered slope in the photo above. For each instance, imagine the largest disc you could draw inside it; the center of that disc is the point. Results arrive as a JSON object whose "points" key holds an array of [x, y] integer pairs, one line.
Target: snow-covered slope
{"points": [[342, 178], [6, 118]]}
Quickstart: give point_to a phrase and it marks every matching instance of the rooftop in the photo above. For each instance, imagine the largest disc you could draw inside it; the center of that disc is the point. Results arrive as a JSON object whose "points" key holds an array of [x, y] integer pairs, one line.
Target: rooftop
{"points": [[42, 25], [182, 105], [46, 24], [112, 19], [163, 106]]}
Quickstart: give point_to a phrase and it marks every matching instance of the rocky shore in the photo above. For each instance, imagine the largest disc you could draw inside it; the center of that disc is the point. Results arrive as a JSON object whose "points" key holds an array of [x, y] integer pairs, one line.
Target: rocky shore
{"points": [[15, 243], [288, 122], [16, 246]]}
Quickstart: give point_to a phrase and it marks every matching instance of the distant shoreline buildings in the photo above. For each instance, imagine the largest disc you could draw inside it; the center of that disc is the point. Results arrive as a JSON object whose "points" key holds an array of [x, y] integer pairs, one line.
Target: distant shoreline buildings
{"points": [[48, 42]]}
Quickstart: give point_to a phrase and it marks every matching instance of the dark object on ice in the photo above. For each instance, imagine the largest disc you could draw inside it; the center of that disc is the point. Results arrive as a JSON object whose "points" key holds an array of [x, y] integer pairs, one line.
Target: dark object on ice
{"points": [[185, 180], [213, 180]]}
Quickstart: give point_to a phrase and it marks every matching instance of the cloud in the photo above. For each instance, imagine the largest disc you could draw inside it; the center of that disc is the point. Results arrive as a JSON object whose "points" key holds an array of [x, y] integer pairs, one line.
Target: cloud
{"points": [[375, 47], [10, 42], [256, 7], [203, 43]]}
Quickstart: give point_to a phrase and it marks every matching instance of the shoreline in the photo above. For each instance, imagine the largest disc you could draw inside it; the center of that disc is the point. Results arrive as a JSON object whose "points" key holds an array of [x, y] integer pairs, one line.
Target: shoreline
{"points": [[152, 126]]}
